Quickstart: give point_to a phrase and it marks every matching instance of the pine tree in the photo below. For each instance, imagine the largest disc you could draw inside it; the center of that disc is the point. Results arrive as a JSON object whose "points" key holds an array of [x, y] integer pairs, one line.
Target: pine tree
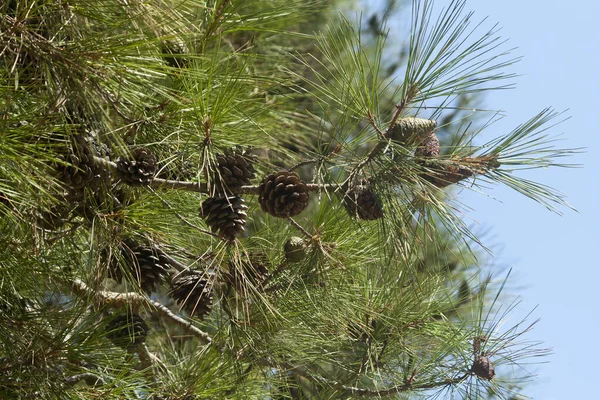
{"points": [[205, 199]]}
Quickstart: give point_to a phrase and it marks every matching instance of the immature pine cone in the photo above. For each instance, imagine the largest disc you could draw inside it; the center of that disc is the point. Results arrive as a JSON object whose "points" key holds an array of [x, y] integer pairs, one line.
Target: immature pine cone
{"points": [[295, 249], [192, 289], [283, 194], [225, 215], [138, 171], [429, 146]]}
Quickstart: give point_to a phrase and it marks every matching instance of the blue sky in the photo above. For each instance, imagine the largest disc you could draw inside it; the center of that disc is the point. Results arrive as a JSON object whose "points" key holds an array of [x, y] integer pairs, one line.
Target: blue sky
{"points": [[553, 259]]}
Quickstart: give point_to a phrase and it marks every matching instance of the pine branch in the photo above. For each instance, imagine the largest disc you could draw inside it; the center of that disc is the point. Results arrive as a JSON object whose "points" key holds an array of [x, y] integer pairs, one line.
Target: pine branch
{"points": [[203, 188], [120, 300], [409, 385]]}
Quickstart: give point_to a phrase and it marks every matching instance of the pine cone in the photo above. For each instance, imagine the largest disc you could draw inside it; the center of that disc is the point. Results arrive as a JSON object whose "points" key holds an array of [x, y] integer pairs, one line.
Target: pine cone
{"points": [[225, 215], [234, 169], [295, 249], [127, 330], [483, 367], [138, 171], [79, 168], [144, 264], [192, 289], [408, 130], [360, 201], [283, 194], [450, 175], [429, 146], [252, 268]]}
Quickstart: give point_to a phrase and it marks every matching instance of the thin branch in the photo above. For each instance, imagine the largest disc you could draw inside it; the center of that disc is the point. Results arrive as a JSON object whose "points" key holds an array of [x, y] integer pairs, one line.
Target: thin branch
{"points": [[409, 385], [199, 187], [300, 228], [116, 299], [349, 390], [180, 267]]}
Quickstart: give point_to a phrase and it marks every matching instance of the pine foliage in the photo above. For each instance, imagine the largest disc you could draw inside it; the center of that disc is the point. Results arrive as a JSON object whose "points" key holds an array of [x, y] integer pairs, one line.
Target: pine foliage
{"points": [[206, 199]]}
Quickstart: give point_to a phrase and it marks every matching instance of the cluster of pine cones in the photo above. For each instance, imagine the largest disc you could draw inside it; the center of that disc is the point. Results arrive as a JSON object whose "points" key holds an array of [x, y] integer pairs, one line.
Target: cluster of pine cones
{"points": [[192, 289], [91, 187], [282, 194]]}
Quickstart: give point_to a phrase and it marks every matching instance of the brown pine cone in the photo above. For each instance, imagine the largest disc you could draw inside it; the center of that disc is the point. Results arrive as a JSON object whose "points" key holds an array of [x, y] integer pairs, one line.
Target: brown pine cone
{"points": [[225, 216], [429, 146], [235, 168], [53, 218], [483, 367], [192, 289], [140, 169], [78, 169], [361, 202], [144, 265], [127, 330], [450, 175], [283, 194]]}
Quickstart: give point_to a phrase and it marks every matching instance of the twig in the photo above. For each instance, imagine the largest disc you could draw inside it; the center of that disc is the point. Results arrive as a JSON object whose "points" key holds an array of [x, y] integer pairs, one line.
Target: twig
{"points": [[198, 187], [116, 299], [336, 150], [409, 385], [375, 126], [382, 143], [349, 390], [180, 267], [300, 228]]}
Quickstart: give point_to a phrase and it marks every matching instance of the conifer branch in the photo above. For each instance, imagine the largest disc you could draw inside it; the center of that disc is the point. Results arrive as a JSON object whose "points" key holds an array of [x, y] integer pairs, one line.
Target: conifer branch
{"points": [[119, 300], [165, 86], [199, 187], [409, 385]]}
